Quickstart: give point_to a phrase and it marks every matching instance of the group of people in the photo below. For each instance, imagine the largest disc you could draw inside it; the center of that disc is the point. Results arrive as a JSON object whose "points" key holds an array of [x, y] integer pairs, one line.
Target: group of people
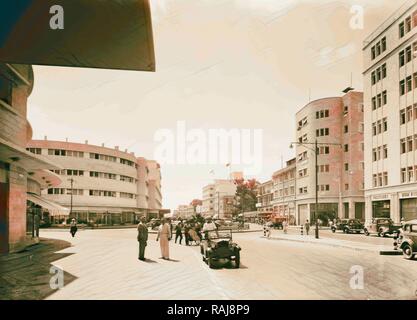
{"points": [[192, 232]]}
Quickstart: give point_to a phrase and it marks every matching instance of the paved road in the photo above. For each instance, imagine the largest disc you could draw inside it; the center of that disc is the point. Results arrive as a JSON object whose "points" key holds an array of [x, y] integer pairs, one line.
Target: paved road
{"points": [[105, 263]]}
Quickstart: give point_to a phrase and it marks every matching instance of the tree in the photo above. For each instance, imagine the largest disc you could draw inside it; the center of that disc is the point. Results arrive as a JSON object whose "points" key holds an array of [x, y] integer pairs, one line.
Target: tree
{"points": [[245, 197]]}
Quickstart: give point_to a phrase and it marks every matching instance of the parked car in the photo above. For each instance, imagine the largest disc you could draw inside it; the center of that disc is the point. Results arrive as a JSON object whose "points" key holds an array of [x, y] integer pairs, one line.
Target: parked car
{"points": [[348, 226], [407, 240], [218, 248], [154, 223], [382, 227]]}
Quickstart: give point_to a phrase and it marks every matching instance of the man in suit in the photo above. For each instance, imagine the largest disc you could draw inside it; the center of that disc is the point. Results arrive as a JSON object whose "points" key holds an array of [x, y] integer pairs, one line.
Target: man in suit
{"points": [[142, 238]]}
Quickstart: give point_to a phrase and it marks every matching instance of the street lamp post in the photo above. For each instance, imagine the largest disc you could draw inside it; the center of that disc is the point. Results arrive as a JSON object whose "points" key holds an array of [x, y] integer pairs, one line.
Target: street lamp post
{"points": [[316, 152], [72, 190]]}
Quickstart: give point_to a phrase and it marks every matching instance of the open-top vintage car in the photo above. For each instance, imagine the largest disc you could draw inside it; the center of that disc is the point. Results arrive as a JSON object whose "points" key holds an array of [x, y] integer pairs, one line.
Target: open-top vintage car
{"points": [[218, 248], [348, 226], [382, 227], [407, 240]]}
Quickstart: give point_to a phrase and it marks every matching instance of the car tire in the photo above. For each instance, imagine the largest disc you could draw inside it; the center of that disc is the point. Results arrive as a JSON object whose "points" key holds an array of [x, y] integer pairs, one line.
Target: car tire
{"points": [[381, 234], [333, 230], [237, 261], [366, 232], [408, 252], [210, 263], [346, 230]]}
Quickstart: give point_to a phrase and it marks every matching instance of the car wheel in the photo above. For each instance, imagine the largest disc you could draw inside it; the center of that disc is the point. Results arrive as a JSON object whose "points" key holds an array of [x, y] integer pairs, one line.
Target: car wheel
{"points": [[210, 263], [346, 230], [333, 230], [408, 252], [381, 234], [237, 261]]}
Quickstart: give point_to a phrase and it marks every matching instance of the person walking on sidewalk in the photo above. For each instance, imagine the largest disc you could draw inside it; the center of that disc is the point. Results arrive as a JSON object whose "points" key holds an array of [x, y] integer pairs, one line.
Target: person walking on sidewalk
{"points": [[178, 232], [285, 226], [142, 238], [73, 227], [186, 233], [307, 226], [164, 235]]}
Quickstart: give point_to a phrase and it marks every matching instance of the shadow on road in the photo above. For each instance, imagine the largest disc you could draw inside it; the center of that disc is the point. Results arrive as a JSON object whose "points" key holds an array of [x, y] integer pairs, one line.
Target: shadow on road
{"points": [[26, 275]]}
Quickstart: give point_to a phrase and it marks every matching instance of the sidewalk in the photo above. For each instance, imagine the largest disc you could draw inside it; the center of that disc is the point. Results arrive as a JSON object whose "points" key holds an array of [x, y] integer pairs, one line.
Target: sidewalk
{"points": [[354, 245], [25, 275]]}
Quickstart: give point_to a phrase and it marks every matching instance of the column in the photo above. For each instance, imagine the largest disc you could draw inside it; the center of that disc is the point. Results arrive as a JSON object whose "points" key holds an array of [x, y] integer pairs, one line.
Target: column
{"points": [[351, 209], [395, 208], [368, 209]]}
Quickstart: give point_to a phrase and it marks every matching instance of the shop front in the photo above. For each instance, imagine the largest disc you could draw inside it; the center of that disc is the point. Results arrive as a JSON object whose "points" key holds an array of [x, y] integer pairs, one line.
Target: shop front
{"points": [[381, 209], [408, 205]]}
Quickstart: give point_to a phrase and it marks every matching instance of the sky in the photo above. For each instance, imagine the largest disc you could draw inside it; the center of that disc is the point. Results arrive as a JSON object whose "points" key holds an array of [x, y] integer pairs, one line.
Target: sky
{"points": [[220, 64]]}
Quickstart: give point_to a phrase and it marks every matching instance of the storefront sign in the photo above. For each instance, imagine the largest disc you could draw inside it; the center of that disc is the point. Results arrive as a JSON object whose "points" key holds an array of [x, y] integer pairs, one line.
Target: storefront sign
{"points": [[405, 195], [380, 197]]}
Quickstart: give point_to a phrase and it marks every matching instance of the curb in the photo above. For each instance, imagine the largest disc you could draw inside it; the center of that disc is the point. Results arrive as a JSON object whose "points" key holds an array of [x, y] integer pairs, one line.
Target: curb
{"points": [[338, 245]]}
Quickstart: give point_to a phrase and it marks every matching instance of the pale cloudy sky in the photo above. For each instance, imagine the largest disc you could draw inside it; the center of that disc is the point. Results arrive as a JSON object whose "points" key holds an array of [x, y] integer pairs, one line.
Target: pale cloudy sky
{"points": [[220, 64]]}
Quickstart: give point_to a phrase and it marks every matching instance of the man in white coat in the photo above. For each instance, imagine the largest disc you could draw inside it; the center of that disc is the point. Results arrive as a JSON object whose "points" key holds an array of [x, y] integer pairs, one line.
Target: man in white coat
{"points": [[164, 235]]}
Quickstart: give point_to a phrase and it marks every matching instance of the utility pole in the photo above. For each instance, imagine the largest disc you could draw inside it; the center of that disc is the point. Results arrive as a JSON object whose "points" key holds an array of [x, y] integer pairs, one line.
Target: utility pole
{"points": [[72, 190], [316, 152], [317, 189]]}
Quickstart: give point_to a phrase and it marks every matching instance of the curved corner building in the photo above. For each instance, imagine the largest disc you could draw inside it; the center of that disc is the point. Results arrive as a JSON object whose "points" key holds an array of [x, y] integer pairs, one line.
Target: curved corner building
{"points": [[100, 184]]}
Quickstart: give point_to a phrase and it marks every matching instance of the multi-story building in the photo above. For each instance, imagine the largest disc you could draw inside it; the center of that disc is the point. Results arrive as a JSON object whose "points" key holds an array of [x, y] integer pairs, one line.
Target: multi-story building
{"points": [[264, 194], [101, 184], [390, 100], [284, 191], [217, 197], [22, 174], [337, 121], [184, 211]]}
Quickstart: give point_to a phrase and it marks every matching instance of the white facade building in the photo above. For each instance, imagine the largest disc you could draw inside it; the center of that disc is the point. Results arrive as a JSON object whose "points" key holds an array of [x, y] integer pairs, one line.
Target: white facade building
{"points": [[390, 100]]}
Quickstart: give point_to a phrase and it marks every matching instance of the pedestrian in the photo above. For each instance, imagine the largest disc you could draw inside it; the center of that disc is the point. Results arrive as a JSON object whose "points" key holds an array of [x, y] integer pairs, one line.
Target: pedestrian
{"points": [[307, 226], [186, 233], [178, 232], [73, 227], [164, 235], [285, 226], [209, 226], [142, 238]]}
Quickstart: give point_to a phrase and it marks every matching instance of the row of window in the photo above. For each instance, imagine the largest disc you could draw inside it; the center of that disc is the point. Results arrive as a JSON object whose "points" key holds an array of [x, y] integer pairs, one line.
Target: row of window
{"points": [[405, 56], [94, 174], [379, 100], [408, 144], [406, 25], [379, 74], [380, 153], [406, 85], [95, 193], [379, 126], [65, 153], [321, 188], [408, 114], [322, 114], [409, 174], [380, 179], [322, 132], [379, 48]]}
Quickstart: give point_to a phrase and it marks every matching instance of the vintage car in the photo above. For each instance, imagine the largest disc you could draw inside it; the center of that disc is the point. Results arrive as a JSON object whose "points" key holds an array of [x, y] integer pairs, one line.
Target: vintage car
{"points": [[218, 248], [154, 223], [382, 227], [407, 240], [348, 226]]}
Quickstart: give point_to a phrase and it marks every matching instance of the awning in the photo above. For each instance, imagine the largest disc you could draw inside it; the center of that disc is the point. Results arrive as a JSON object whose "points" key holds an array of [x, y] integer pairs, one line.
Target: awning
{"points": [[53, 208]]}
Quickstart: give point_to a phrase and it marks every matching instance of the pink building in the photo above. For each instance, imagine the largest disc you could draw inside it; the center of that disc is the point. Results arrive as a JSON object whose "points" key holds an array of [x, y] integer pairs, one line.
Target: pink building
{"points": [[337, 121]]}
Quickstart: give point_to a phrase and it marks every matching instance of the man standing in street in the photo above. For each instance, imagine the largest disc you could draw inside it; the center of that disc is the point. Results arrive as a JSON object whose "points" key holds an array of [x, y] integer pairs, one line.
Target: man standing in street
{"points": [[142, 237], [307, 226], [164, 235], [208, 226], [178, 232]]}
